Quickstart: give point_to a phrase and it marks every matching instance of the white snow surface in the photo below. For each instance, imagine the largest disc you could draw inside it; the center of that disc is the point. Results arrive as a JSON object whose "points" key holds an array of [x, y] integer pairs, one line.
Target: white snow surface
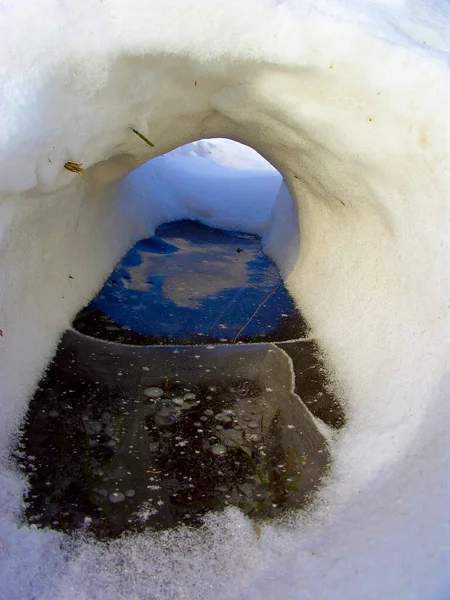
{"points": [[349, 101]]}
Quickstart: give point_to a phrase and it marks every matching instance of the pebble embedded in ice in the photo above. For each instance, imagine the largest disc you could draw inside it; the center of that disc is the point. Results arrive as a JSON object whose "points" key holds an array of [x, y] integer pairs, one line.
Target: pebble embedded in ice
{"points": [[219, 450], [105, 418], [93, 427], [110, 430], [116, 497], [130, 493], [223, 418], [154, 392]]}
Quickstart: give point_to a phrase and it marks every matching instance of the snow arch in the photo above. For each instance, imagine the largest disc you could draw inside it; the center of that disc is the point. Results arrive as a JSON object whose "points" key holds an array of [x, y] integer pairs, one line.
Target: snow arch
{"points": [[349, 108]]}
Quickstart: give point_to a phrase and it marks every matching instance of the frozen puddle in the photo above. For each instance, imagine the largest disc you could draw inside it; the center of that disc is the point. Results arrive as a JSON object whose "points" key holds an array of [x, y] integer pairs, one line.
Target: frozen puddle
{"points": [[122, 435], [193, 284]]}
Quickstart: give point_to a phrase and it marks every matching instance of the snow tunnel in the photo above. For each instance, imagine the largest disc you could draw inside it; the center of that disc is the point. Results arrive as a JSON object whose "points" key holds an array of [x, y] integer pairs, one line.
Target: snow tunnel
{"points": [[349, 105], [189, 383]]}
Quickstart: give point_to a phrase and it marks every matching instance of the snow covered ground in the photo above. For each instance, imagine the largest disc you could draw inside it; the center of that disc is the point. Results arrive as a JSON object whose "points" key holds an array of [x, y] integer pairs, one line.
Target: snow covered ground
{"points": [[349, 101]]}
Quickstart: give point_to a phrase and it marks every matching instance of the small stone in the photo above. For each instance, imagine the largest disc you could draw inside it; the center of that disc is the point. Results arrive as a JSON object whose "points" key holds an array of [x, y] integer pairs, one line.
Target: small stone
{"points": [[246, 489], [219, 450], [116, 497], [163, 419], [111, 443], [178, 401], [53, 414], [208, 412], [154, 392], [93, 427], [203, 419], [223, 418], [110, 430], [106, 417], [190, 396], [130, 493], [252, 425], [222, 488]]}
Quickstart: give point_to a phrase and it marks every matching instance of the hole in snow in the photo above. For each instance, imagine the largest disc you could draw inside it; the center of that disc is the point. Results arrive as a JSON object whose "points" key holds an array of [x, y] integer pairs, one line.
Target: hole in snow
{"points": [[177, 393]]}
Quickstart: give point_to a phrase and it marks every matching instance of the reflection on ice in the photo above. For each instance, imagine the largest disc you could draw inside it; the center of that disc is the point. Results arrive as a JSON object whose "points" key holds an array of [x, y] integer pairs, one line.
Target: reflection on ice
{"points": [[193, 284]]}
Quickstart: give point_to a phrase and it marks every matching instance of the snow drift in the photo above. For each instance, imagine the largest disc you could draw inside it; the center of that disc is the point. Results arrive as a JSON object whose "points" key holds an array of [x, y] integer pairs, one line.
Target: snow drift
{"points": [[349, 102]]}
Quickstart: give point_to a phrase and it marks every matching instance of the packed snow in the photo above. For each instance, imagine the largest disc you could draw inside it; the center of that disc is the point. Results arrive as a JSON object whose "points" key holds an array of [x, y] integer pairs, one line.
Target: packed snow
{"points": [[349, 101]]}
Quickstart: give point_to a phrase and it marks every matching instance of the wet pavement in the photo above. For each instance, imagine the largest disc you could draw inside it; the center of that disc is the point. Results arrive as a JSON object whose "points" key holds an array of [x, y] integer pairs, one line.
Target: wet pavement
{"points": [[136, 425]]}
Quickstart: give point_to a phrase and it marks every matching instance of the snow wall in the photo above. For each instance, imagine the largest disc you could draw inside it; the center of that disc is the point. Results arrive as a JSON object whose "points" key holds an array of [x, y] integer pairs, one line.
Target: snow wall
{"points": [[350, 103]]}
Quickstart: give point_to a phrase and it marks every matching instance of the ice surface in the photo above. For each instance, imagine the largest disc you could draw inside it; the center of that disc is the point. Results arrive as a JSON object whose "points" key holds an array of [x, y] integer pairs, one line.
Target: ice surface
{"points": [[193, 284], [349, 100], [90, 437]]}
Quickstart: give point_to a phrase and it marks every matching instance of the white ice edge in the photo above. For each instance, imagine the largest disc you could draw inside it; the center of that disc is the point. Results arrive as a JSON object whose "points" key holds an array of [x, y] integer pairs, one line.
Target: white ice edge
{"points": [[349, 101]]}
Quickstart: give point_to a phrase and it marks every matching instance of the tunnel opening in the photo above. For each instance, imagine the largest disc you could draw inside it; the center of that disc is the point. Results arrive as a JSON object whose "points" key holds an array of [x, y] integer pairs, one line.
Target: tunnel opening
{"points": [[188, 384]]}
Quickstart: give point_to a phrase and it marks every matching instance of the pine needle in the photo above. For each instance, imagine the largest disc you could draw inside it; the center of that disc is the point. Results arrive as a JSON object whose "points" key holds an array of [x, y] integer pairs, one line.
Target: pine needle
{"points": [[146, 140], [254, 314]]}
